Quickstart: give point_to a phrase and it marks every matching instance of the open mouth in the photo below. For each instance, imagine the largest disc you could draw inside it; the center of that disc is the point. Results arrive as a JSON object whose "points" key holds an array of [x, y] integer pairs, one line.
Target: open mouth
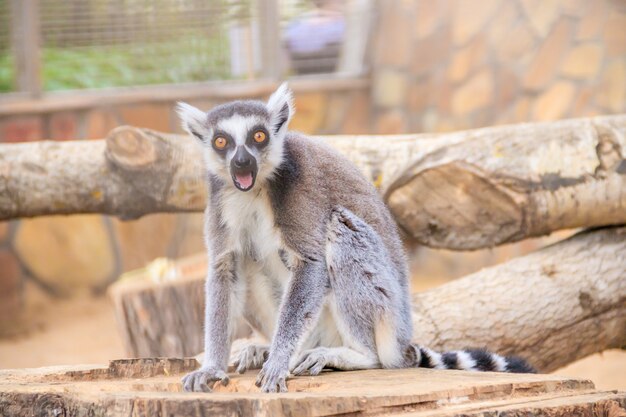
{"points": [[244, 180]]}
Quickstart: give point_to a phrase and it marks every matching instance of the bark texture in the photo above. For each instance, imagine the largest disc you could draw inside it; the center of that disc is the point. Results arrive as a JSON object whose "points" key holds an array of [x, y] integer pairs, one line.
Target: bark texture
{"points": [[503, 184], [132, 173], [160, 319], [552, 307], [463, 190], [151, 387], [164, 317]]}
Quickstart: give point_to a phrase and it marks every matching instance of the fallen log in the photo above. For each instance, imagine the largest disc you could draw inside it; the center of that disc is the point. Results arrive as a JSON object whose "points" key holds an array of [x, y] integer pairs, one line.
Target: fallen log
{"points": [[504, 184], [464, 190], [151, 387], [132, 173], [552, 307]]}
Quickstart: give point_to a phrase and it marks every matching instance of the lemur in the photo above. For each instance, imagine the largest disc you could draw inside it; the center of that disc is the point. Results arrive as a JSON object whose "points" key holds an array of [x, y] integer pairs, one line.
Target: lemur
{"points": [[302, 246]]}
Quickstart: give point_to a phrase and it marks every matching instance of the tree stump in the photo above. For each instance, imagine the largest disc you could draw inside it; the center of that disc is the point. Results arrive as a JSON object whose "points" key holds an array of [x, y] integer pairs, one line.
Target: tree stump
{"points": [[158, 315], [151, 387], [160, 308]]}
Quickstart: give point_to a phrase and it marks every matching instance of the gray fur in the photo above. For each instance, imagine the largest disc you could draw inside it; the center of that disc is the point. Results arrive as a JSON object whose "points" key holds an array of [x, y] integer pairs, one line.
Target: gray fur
{"points": [[247, 108], [310, 256], [367, 287]]}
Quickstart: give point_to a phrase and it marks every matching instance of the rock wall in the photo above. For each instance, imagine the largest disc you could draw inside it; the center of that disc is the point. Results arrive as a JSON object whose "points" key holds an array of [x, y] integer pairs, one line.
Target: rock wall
{"points": [[458, 64]]}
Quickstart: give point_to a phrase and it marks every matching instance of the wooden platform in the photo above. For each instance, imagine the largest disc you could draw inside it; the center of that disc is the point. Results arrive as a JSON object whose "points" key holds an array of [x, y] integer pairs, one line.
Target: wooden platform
{"points": [[151, 387]]}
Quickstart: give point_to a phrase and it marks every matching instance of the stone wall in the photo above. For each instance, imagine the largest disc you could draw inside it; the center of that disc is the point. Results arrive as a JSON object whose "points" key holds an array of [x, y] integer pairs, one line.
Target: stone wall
{"points": [[457, 64]]}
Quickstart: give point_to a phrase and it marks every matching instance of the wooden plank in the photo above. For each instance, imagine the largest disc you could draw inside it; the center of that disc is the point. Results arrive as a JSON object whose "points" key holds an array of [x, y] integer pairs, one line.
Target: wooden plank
{"points": [[359, 19], [149, 387], [269, 23], [26, 46], [609, 404], [13, 104]]}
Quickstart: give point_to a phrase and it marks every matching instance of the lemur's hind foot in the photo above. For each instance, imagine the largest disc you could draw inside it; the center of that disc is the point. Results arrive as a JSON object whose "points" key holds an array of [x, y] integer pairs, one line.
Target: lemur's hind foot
{"points": [[311, 362], [471, 360], [250, 356]]}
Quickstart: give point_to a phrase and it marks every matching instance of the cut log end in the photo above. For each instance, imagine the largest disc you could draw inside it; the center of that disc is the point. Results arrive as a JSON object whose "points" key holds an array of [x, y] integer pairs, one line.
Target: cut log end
{"points": [[130, 148], [455, 206]]}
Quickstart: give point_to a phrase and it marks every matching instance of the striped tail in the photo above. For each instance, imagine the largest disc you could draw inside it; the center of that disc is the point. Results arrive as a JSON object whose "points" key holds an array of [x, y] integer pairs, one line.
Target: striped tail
{"points": [[472, 360]]}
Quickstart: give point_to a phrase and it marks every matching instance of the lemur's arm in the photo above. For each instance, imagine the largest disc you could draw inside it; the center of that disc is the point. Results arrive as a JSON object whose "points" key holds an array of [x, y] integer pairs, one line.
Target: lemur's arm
{"points": [[300, 310], [217, 331], [218, 312]]}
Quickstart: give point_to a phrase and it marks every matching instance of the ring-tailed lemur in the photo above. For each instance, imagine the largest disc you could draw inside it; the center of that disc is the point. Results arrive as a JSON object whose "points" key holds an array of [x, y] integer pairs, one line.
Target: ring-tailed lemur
{"points": [[302, 246]]}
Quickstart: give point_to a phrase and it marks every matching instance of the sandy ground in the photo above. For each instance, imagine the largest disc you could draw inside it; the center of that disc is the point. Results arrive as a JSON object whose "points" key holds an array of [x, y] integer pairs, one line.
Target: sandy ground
{"points": [[60, 332], [82, 330]]}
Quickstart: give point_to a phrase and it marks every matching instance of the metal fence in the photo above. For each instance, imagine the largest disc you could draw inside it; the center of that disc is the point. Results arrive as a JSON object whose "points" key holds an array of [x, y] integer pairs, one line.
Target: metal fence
{"points": [[6, 59], [77, 44]]}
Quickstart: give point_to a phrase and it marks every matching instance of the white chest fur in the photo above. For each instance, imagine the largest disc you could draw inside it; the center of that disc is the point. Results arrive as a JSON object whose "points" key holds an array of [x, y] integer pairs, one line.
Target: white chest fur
{"points": [[252, 233], [249, 220]]}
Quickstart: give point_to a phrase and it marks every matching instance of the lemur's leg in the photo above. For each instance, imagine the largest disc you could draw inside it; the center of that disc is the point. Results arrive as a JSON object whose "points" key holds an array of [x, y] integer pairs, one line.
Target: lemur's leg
{"points": [[312, 361], [263, 297], [300, 310], [368, 298], [224, 296], [372, 312]]}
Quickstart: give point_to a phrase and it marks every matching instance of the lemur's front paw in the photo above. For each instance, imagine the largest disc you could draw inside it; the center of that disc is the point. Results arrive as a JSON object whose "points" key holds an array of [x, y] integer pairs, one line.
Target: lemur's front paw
{"points": [[251, 356], [202, 380], [272, 378], [311, 362]]}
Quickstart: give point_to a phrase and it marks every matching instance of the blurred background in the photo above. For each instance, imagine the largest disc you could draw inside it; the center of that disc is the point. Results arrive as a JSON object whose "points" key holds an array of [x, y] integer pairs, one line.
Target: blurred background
{"points": [[75, 69]]}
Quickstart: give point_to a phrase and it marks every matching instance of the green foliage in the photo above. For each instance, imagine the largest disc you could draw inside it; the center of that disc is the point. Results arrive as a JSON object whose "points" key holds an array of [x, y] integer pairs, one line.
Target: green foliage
{"points": [[6, 73], [183, 60]]}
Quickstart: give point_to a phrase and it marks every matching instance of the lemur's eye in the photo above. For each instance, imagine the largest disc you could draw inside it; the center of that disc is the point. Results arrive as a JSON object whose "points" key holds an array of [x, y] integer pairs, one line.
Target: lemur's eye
{"points": [[220, 142], [259, 137]]}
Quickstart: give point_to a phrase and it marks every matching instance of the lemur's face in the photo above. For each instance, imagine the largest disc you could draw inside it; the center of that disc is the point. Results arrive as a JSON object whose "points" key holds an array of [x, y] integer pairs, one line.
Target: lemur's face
{"points": [[242, 140], [241, 145]]}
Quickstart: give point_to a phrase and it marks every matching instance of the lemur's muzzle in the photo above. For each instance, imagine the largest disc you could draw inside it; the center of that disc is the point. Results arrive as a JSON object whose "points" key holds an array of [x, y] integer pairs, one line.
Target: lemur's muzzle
{"points": [[243, 169]]}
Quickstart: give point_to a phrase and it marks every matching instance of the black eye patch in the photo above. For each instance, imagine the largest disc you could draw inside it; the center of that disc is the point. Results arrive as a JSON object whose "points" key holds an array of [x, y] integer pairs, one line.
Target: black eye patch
{"points": [[230, 142], [250, 138]]}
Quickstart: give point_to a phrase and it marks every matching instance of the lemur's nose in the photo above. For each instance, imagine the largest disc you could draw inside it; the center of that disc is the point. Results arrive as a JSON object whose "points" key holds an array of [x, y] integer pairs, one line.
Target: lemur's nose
{"points": [[243, 162], [242, 159]]}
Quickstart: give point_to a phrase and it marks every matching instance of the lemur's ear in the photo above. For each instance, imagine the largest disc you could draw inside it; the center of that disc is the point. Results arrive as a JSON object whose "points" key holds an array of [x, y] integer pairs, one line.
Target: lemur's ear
{"points": [[281, 108], [193, 120]]}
